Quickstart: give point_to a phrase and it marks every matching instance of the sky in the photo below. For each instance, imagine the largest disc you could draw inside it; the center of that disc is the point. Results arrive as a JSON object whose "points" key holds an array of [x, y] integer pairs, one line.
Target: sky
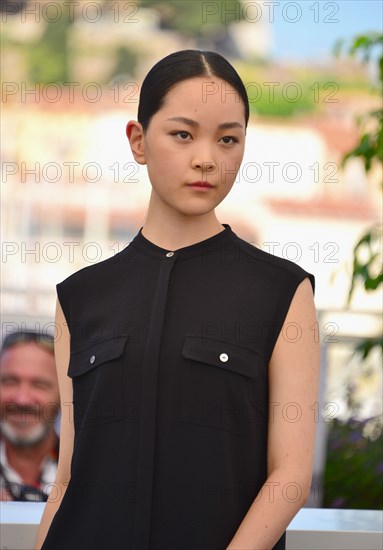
{"points": [[318, 25]]}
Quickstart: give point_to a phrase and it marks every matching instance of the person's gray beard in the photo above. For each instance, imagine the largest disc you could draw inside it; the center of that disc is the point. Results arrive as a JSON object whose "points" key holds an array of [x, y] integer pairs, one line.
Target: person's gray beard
{"points": [[37, 434]]}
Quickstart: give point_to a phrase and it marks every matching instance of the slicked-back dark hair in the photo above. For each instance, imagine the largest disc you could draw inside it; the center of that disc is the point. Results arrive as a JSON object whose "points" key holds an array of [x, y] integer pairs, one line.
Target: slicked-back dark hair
{"points": [[179, 66]]}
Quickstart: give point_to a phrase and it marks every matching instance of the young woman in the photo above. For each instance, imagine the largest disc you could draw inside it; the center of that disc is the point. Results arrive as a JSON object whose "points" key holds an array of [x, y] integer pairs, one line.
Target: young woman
{"points": [[192, 364]]}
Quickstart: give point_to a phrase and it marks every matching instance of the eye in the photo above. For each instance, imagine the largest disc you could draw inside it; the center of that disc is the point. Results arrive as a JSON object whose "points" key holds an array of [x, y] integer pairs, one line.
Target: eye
{"points": [[235, 140], [183, 135], [41, 385], [180, 132], [8, 381]]}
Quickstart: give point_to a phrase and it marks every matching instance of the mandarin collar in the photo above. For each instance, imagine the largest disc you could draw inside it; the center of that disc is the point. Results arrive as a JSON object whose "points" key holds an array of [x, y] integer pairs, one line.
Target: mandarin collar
{"points": [[211, 244]]}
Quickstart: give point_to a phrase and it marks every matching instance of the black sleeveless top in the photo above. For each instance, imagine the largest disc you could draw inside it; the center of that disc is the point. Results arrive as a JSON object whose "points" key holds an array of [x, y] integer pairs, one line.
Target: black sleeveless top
{"points": [[169, 362]]}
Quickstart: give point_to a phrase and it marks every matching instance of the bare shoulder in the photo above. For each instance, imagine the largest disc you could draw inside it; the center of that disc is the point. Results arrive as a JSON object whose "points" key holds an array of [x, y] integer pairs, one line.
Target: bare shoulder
{"points": [[299, 333], [302, 305]]}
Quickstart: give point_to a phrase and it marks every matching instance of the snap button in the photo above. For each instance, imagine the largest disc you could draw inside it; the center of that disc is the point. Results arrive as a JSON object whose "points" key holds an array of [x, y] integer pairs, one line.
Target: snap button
{"points": [[92, 359], [224, 357], [169, 254]]}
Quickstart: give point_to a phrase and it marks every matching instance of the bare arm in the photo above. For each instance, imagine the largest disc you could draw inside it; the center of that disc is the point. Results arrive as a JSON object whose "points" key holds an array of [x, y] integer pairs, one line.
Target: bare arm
{"points": [[294, 378], [62, 352]]}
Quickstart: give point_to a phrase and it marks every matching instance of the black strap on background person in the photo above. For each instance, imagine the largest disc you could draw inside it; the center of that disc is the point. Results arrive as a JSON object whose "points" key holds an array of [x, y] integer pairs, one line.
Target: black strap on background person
{"points": [[22, 491]]}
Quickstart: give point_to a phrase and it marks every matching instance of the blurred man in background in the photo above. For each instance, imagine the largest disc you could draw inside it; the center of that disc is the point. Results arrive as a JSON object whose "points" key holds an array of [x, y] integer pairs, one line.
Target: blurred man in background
{"points": [[30, 404]]}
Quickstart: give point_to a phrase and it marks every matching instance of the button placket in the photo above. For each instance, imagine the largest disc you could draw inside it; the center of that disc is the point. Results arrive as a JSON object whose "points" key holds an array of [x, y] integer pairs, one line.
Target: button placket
{"points": [[149, 418]]}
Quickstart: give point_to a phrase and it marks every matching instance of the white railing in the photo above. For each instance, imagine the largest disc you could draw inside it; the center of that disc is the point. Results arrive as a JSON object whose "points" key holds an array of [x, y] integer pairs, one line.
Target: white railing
{"points": [[311, 529]]}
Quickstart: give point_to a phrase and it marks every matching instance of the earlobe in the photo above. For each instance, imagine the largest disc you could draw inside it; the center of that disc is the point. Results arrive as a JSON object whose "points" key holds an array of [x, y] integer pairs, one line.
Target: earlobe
{"points": [[135, 135]]}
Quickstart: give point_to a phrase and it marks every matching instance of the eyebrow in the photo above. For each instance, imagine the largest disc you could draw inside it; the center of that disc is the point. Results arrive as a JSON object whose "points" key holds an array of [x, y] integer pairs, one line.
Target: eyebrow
{"points": [[195, 124]]}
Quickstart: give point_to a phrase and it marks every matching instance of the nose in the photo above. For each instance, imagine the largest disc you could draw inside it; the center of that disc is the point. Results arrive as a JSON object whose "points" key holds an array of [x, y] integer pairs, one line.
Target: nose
{"points": [[202, 160], [206, 166], [23, 395], [21, 403]]}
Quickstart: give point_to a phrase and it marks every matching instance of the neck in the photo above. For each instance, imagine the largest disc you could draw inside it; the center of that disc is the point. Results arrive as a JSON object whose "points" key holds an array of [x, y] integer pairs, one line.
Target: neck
{"points": [[173, 230], [26, 461]]}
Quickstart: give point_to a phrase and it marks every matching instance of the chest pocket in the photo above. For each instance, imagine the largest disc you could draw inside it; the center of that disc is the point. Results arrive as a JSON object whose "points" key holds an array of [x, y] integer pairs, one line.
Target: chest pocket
{"points": [[97, 378], [221, 384]]}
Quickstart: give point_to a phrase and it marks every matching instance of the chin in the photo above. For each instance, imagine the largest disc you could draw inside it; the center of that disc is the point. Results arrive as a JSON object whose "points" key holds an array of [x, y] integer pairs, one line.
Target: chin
{"points": [[24, 437], [197, 206]]}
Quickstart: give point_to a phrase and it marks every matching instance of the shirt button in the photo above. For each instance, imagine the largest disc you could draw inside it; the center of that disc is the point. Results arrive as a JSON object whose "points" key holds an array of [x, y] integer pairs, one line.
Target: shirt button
{"points": [[224, 357], [169, 254], [92, 359]]}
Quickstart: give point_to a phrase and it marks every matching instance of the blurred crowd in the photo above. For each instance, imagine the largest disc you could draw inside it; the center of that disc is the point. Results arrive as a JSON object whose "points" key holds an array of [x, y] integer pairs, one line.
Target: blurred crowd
{"points": [[29, 415]]}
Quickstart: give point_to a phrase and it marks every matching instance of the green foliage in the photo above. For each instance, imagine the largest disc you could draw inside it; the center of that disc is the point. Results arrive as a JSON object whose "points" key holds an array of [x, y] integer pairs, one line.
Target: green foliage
{"points": [[354, 465], [318, 88], [126, 62], [370, 146], [47, 58], [364, 348], [364, 269], [364, 44], [192, 18], [353, 475], [368, 250], [281, 105]]}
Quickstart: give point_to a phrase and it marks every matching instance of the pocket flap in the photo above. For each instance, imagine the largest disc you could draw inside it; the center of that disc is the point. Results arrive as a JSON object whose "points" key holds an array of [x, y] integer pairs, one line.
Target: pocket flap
{"points": [[225, 355], [83, 360]]}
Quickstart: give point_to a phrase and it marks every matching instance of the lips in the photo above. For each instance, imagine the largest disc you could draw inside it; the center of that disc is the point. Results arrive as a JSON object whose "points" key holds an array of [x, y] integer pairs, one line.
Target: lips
{"points": [[200, 184]]}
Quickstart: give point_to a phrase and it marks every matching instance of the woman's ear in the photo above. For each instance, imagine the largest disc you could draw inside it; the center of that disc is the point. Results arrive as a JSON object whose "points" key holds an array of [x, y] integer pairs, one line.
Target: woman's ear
{"points": [[135, 135]]}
